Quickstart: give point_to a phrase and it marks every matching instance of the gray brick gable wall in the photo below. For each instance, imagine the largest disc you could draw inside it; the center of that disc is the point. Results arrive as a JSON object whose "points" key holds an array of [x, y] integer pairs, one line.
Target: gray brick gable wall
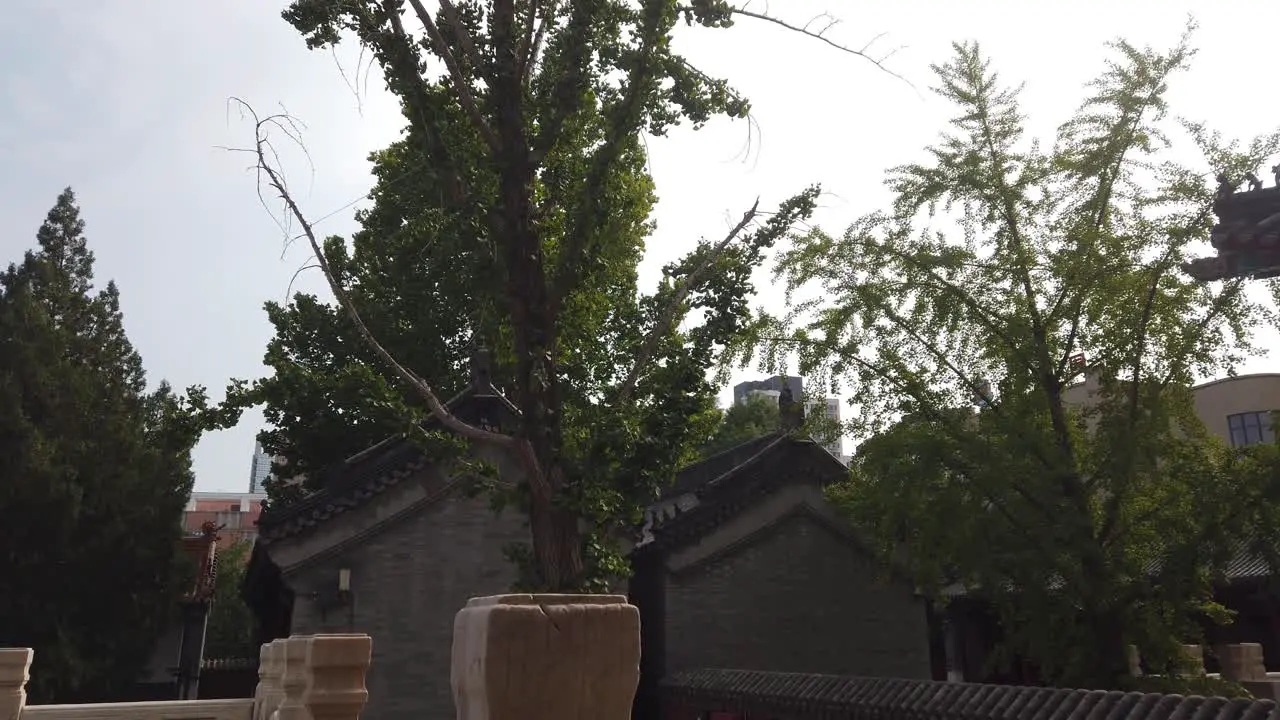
{"points": [[797, 597], [408, 581]]}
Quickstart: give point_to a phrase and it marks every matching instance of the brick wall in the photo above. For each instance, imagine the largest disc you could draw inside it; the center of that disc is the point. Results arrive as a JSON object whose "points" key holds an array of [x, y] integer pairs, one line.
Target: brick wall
{"points": [[407, 583], [800, 598]]}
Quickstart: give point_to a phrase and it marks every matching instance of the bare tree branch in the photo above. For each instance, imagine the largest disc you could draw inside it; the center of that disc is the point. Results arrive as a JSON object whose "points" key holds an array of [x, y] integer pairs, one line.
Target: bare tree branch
{"points": [[288, 293], [820, 35], [402, 61], [672, 310], [464, 37], [273, 179], [465, 96], [624, 117], [567, 94], [534, 39]]}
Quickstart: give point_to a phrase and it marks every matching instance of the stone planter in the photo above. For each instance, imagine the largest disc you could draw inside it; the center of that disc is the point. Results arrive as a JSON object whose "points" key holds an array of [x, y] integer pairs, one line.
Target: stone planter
{"points": [[529, 657], [14, 664], [1192, 661]]}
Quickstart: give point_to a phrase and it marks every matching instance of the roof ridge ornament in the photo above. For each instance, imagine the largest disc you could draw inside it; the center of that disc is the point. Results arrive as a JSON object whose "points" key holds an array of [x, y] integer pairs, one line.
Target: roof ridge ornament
{"points": [[482, 371], [790, 412], [1246, 238]]}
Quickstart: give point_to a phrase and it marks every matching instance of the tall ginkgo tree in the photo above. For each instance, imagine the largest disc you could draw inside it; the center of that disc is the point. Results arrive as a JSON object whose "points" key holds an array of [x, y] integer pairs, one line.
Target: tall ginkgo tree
{"points": [[1005, 272], [531, 116]]}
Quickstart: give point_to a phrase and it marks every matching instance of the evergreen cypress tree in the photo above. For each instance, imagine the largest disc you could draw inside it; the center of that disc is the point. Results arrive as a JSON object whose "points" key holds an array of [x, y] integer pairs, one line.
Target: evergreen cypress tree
{"points": [[94, 473]]}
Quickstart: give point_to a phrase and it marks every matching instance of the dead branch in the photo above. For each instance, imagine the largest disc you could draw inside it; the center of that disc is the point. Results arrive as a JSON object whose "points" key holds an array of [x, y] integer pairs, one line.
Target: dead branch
{"points": [[288, 293], [820, 35], [533, 39], [672, 310], [465, 96], [272, 178], [464, 37]]}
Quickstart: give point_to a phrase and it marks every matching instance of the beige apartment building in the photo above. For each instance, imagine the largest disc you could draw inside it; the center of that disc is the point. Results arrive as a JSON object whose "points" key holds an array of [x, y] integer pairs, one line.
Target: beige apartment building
{"points": [[236, 514], [1236, 409]]}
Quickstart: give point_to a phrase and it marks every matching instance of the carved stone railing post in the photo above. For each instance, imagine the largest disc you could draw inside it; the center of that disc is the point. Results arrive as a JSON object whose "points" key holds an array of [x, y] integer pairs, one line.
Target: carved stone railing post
{"points": [[295, 679], [1241, 662], [14, 664], [1192, 660], [336, 667], [269, 692], [275, 693], [536, 657]]}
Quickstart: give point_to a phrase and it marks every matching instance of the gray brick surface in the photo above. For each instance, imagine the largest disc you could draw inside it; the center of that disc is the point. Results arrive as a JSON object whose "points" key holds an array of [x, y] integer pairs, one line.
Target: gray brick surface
{"points": [[408, 582], [799, 598]]}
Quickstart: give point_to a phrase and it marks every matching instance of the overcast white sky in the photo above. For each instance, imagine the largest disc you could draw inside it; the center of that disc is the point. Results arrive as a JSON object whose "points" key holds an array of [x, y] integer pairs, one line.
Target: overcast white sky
{"points": [[125, 101]]}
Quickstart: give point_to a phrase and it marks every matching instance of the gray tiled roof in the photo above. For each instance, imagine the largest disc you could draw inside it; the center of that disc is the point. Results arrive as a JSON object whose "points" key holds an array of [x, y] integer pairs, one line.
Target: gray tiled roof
{"points": [[692, 478], [772, 694], [1247, 565], [366, 474], [727, 483]]}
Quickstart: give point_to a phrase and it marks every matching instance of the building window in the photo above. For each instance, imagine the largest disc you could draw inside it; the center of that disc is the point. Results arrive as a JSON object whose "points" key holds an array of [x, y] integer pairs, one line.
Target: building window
{"points": [[1250, 428]]}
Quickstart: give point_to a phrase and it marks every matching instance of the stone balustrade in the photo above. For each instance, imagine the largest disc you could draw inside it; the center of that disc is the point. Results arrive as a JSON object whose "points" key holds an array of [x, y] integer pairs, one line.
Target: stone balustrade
{"points": [[312, 677], [1192, 661], [1241, 662], [1238, 662]]}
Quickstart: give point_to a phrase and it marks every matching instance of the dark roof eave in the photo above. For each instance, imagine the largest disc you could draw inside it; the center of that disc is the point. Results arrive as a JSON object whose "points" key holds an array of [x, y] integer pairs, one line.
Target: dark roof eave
{"points": [[349, 490], [723, 497]]}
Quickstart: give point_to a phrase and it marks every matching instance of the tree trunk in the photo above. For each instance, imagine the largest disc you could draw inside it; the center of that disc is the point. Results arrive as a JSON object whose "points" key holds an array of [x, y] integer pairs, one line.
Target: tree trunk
{"points": [[1110, 651], [557, 544], [1102, 662]]}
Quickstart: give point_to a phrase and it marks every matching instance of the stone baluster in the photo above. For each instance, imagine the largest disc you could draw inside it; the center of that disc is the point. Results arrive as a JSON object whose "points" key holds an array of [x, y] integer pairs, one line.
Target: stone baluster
{"points": [[1241, 662], [275, 693], [336, 667], [264, 680], [294, 680], [1192, 661], [267, 695], [14, 664]]}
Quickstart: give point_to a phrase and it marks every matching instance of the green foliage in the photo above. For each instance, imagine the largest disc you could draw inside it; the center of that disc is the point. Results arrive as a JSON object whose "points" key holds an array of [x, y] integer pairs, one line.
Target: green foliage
{"points": [[94, 474], [513, 215], [231, 631], [1092, 515], [742, 422]]}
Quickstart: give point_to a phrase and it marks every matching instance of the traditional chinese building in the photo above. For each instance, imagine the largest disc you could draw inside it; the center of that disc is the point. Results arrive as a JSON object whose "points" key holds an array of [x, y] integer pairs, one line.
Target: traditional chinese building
{"points": [[1247, 236], [742, 564], [174, 670]]}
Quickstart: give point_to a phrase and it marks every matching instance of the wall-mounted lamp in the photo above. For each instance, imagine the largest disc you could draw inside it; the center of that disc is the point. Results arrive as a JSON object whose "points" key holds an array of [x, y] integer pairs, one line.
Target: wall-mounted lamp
{"points": [[336, 596]]}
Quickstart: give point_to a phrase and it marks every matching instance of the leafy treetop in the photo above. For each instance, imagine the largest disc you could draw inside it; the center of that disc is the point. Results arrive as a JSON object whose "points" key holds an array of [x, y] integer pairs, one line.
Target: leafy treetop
{"points": [[94, 474], [1088, 514], [527, 211]]}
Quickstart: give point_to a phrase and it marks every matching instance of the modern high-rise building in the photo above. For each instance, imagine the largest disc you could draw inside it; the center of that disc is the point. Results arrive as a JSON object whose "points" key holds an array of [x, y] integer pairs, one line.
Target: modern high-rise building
{"points": [[830, 409], [772, 387], [769, 386], [260, 469]]}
